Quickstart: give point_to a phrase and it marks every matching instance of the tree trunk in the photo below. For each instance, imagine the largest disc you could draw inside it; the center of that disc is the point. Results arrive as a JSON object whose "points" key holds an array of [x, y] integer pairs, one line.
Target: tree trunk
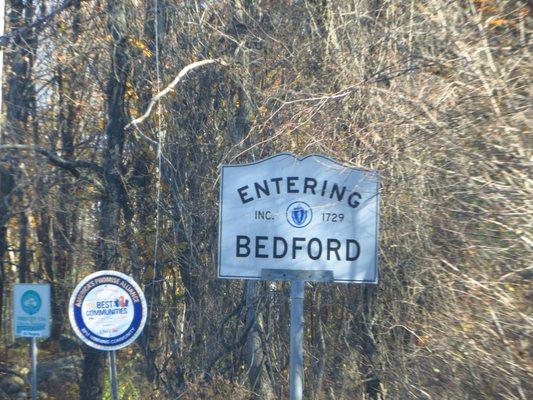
{"points": [[372, 382], [62, 227], [66, 78], [255, 357], [18, 105], [112, 201], [7, 184], [319, 363], [92, 382], [22, 266], [144, 208]]}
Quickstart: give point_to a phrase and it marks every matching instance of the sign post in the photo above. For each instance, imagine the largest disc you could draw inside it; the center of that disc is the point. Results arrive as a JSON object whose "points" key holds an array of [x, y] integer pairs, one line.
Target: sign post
{"points": [[113, 374], [296, 373], [308, 219], [107, 311], [31, 318], [33, 368]]}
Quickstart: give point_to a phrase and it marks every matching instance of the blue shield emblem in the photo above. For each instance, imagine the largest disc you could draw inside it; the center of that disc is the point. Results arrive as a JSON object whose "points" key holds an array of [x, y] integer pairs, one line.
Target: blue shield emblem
{"points": [[299, 215]]}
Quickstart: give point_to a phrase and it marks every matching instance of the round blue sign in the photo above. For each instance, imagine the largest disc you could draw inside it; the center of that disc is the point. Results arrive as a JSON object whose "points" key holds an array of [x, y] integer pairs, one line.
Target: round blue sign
{"points": [[30, 302], [107, 310]]}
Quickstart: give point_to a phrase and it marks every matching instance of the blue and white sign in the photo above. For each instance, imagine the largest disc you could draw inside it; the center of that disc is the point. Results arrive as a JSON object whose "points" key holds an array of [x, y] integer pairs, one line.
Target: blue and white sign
{"points": [[288, 213], [31, 310], [107, 310]]}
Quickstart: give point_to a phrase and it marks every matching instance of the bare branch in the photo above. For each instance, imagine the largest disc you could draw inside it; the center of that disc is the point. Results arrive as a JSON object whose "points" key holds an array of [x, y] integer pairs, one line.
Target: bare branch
{"points": [[171, 87], [4, 40], [69, 165]]}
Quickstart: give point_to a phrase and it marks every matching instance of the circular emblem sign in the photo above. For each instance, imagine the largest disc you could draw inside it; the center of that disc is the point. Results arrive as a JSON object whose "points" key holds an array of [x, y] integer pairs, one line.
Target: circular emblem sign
{"points": [[30, 302], [299, 214], [107, 310]]}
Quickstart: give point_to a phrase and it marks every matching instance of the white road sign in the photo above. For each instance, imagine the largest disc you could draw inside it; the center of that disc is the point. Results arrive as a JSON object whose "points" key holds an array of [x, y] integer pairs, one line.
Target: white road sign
{"points": [[298, 214], [31, 310]]}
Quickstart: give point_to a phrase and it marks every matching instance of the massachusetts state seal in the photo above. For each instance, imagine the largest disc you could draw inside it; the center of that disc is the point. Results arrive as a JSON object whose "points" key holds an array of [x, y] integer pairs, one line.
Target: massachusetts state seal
{"points": [[299, 214]]}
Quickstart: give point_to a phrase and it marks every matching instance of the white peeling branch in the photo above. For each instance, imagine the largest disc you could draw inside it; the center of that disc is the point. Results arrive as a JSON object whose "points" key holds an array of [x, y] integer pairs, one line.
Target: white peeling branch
{"points": [[171, 87]]}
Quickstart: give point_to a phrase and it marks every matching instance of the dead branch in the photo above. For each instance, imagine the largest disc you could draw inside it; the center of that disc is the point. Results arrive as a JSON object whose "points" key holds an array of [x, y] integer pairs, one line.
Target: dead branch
{"points": [[69, 165], [4, 40], [171, 87]]}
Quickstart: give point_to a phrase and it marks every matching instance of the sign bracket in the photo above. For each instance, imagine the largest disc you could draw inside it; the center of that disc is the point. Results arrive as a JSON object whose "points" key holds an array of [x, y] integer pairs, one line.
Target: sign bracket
{"points": [[269, 274]]}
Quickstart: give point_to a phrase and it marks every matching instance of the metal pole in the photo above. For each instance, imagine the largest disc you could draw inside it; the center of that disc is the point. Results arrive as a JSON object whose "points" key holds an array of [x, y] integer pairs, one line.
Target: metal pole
{"points": [[34, 368], [296, 374], [113, 375]]}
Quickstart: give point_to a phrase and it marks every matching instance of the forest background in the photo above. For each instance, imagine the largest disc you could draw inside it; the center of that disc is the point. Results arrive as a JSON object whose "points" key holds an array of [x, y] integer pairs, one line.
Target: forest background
{"points": [[434, 94]]}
